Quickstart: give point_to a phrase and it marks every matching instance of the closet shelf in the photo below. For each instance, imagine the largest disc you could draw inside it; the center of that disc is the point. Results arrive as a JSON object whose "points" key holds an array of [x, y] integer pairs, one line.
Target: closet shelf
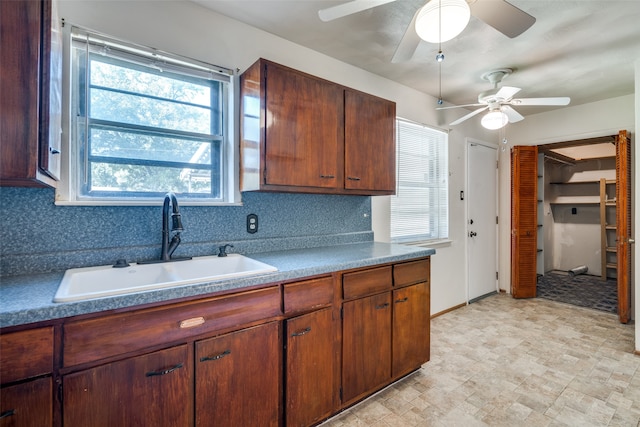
{"points": [[575, 200]]}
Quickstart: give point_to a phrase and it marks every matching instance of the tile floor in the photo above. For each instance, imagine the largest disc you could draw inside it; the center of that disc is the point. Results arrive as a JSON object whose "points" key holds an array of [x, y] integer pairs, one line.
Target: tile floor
{"points": [[506, 362]]}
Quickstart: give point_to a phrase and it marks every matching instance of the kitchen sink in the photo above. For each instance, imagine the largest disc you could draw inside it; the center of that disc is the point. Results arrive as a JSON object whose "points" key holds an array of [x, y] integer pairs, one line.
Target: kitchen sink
{"points": [[80, 284]]}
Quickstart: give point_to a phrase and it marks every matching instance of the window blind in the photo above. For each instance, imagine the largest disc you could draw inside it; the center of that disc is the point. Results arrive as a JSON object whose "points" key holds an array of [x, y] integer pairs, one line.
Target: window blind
{"points": [[420, 208]]}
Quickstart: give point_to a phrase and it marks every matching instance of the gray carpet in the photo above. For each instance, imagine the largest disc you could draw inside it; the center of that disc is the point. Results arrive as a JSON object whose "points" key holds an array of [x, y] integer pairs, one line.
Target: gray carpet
{"points": [[582, 290]]}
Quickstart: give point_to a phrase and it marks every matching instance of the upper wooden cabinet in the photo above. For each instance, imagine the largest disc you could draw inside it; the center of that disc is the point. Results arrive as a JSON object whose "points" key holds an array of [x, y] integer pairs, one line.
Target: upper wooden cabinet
{"points": [[30, 105], [300, 133]]}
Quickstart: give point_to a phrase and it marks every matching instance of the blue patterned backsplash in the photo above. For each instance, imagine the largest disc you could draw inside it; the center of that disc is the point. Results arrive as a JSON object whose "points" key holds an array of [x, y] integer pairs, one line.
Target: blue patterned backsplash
{"points": [[39, 237]]}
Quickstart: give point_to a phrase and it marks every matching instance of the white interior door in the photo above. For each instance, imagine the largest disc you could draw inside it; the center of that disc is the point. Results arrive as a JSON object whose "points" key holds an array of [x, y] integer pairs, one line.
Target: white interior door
{"points": [[481, 219]]}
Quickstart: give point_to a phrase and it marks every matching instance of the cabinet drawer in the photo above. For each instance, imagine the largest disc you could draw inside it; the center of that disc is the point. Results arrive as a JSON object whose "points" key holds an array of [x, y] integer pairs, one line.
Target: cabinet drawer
{"points": [[366, 282], [95, 339], [308, 294], [410, 273], [26, 354], [27, 404]]}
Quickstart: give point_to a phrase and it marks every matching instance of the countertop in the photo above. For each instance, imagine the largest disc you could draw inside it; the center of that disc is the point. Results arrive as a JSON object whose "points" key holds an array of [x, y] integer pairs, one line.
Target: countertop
{"points": [[29, 298]]}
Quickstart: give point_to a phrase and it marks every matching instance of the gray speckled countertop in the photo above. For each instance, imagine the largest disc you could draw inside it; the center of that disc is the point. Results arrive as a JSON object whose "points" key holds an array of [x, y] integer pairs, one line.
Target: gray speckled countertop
{"points": [[27, 299]]}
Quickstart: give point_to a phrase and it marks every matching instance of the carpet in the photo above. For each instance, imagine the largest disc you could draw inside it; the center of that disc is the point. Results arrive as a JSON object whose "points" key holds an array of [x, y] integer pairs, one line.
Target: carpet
{"points": [[582, 290]]}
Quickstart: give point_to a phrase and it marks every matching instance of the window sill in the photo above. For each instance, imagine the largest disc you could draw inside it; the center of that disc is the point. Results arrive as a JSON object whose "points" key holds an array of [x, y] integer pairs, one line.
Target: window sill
{"points": [[429, 243]]}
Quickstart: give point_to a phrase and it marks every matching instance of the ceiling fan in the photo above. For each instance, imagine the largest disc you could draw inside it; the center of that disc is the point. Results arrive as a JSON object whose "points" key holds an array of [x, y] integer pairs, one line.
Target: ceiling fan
{"points": [[499, 102], [499, 14]]}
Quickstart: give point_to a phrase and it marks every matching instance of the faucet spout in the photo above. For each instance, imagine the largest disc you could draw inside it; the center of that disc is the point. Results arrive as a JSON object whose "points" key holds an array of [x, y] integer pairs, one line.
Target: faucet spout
{"points": [[169, 246]]}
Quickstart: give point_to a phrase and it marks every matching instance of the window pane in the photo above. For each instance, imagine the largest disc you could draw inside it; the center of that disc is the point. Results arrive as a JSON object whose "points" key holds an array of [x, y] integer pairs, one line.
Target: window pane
{"points": [[109, 177], [132, 145], [419, 210]]}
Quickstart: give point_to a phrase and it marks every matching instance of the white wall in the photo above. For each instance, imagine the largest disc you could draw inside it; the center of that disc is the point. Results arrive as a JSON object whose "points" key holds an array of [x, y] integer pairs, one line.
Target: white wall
{"points": [[636, 195], [188, 29]]}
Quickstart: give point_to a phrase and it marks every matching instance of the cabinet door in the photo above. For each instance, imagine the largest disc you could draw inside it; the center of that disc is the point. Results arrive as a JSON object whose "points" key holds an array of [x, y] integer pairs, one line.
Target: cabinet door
{"points": [[310, 357], [370, 149], [27, 405], [366, 345], [153, 390], [24, 104], [411, 323], [303, 142], [238, 377]]}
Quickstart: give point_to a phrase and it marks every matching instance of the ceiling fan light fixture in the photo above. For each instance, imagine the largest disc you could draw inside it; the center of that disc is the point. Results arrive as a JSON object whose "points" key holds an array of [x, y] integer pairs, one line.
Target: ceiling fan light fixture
{"points": [[494, 120], [454, 15]]}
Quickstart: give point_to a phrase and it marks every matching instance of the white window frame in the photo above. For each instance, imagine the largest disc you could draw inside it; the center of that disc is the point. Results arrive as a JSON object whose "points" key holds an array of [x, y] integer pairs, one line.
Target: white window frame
{"points": [[69, 191], [422, 169]]}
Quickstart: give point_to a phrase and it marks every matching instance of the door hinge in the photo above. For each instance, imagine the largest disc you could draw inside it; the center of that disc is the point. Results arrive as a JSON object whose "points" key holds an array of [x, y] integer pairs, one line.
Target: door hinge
{"points": [[341, 313], [496, 275], [341, 394], [496, 219], [497, 164], [264, 176]]}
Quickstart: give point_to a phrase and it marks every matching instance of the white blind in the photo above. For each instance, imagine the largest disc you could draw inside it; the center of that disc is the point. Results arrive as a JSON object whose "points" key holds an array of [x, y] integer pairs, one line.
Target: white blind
{"points": [[420, 208]]}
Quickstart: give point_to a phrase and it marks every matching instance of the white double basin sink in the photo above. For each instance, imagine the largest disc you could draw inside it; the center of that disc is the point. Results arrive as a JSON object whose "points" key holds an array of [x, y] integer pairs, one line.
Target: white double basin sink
{"points": [[87, 283]]}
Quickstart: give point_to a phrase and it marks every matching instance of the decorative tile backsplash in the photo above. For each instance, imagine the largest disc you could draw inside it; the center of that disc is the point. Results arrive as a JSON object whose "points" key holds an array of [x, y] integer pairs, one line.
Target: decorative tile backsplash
{"points": [[37, 236]]}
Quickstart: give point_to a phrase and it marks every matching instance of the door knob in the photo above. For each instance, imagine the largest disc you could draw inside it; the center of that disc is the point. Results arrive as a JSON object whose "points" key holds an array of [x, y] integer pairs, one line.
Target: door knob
{"points": [[473, 234]]}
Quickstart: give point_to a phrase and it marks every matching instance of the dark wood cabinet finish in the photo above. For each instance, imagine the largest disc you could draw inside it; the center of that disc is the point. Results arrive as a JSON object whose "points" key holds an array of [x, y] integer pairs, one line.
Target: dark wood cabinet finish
{"points": [[307, 294], [27, 405], [103, 337], [366, 282], [26, 354], [238, 377], [288, 354], [29, 84], [301, 133], [411, 328], [366, 345], [309, 366], [370, 150], [153, 389]]}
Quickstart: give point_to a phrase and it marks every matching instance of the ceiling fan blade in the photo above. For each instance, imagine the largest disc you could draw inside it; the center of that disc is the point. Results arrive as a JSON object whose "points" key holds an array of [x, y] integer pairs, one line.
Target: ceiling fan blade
{"points": [[558, 100], [348, 8], [502, 16], [468, 116], [408, 44], [512, 114], [507, 92], [459, 106]]}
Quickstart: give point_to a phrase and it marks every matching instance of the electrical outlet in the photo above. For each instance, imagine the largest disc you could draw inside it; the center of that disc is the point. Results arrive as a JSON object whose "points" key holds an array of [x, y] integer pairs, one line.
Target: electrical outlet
{"points": [[252, 223]]}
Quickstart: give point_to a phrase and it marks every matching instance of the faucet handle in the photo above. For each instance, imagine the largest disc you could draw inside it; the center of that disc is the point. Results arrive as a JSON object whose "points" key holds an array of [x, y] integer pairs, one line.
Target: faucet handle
{"points": [[223, 250]]}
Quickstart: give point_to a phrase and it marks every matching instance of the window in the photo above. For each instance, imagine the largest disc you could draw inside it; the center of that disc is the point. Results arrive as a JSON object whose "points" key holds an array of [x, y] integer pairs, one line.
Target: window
{"points": [[419, 210], [145, 122]]}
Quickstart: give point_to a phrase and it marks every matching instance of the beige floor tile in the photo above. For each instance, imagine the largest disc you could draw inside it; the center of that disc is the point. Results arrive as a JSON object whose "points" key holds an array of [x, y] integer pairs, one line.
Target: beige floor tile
{"points": [[507, 362]]}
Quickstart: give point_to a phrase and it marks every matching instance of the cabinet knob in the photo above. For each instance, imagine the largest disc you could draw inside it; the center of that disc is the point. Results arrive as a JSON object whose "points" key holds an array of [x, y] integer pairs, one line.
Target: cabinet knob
{"points": [[53, 150], [7, 414], [353, 178], [327, 176], [381, 306], [405, 299]]}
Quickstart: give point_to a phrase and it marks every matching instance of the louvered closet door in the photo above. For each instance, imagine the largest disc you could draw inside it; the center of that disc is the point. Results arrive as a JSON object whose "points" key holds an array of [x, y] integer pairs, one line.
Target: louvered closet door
{"points": [[524, 191], [623, 222]]}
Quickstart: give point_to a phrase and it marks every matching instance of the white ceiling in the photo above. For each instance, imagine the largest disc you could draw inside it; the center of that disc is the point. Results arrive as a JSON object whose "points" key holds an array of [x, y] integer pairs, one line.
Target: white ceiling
{"points": [[583, 49]]}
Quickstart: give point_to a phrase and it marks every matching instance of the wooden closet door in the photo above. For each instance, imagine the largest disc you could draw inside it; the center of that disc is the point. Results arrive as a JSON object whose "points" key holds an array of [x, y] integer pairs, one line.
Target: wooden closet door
{"points": [[524, 194], [623, 221]]}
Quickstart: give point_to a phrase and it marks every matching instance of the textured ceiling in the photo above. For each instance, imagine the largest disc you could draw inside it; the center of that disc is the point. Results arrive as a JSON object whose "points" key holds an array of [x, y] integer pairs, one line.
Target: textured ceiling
{"points": [[583, 49]]}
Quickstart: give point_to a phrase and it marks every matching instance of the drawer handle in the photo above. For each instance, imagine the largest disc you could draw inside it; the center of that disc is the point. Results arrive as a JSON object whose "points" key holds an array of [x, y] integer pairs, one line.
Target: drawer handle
{"points": [[164, 372], [190, 323], [7, 414], [353, 178], [216, 357], [381, 306], [405, 299], [327, 176], [302, 332]]}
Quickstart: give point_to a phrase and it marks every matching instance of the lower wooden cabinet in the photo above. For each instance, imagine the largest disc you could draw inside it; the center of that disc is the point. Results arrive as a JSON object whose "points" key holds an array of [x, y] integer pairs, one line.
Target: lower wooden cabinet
{"points": [[28, 404], [290, 354], [310, 367], [237, 378], [149, 390], [366, 345], [411, 328]]}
